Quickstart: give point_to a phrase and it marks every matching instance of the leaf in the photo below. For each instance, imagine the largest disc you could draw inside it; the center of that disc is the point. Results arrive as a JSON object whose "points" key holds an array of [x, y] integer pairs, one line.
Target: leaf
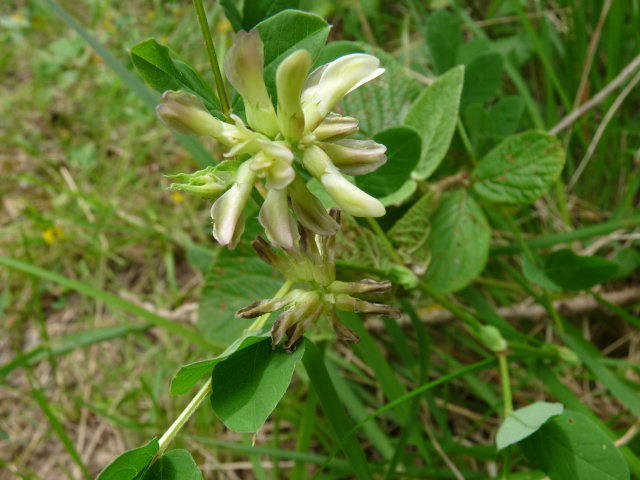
{"points": [[174, 465], [248, 385], [525, 421], [434, 115], [131, 464], [188, 375], [520, 169], [232, 13], [398, 197], [335, 50], [285, 33], [154, 64], [410, 233], [482, 78], [384, 102], [403, 153], [232, 283], [575, 272], [535, 275], [255, 11], [459, 242], [571, 447], [505, 115], [444, 36], [628, 260]]}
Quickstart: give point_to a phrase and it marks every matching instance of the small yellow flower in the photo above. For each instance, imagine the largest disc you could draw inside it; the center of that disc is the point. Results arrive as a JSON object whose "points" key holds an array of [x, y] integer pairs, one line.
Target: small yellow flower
{"points": [[177, 197], [52, 235]]}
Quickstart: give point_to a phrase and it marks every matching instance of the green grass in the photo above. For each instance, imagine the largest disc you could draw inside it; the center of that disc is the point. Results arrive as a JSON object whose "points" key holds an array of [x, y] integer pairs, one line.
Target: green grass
{"points": [[101, 266]]}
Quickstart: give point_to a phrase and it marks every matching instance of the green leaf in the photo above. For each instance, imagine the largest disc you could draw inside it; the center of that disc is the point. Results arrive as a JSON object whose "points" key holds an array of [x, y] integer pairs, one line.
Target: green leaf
{"points": [[255, 11], [575, 272], [520, 169], [131, 464], [505, 116], [232, 283], [248, 385], [174, 465], [384, 102], [410, 233], [459, 242], [335, 50], [188, 375], [571, 447], [525, 421], [536, 275], [628, 260], [482, 78], [398, 197], [444, 36], [154, 64], [434, 114], [287, 32], [403, 153], [232, 13]]}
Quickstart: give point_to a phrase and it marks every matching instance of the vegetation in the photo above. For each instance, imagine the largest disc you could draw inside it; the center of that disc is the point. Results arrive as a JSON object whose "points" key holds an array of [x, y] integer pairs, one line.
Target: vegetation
{"points": [[504, 270]]}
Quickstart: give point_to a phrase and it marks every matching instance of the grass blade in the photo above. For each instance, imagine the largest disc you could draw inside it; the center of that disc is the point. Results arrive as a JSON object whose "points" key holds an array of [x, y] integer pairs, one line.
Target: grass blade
{"points": [[112, 301]]}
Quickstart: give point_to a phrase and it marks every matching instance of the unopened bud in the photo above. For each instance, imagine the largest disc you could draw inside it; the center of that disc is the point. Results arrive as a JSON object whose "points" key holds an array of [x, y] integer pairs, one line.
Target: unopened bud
{"points": [[491, 338], [185, 113], [335, 126], [356, 157], [366, 287], [210, 182]]}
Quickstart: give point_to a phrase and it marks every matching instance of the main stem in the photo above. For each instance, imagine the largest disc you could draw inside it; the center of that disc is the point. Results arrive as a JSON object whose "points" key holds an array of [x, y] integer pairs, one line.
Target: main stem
{"points": [[173, 430], [196, 401], [213, 58]]}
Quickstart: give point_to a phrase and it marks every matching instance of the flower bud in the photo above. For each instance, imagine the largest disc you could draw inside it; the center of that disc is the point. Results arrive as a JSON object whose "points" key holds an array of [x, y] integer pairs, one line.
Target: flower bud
{"points": [[277, 221], [243, 67], [351, 304], [210, 182], [365, 286], [290, 78], [491, 338], [310, 212], [186, 114], [336, 126], [326, 86], [355, 157], [227, 211]]}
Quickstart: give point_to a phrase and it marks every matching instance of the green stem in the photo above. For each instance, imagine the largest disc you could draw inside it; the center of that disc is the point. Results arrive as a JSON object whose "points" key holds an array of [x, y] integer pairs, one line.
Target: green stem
{"points": [[360, 268], [213, 58], [506, 383], [196, 401], [173, 430], [375, 226]]}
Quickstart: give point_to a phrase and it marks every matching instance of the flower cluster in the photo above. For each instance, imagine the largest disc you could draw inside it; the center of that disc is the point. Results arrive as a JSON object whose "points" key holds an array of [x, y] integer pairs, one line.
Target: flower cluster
{"points": [[311, 262], [301, 132]]}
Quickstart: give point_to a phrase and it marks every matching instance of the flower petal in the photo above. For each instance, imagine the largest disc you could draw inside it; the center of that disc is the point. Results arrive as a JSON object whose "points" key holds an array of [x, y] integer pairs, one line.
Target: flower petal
{"points": [[290, 79], [227, 210], [350, 198], [243, 67], [326, 87], [276, 219]]}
